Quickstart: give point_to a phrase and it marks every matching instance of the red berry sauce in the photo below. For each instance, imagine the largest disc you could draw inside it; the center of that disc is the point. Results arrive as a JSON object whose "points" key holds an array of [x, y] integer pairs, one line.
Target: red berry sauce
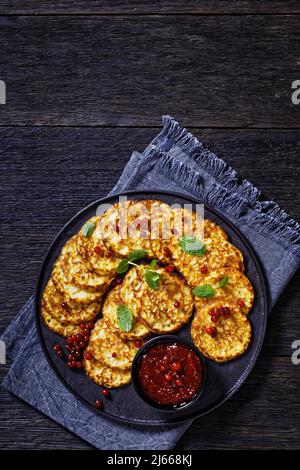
{"points": [[170, 373]]}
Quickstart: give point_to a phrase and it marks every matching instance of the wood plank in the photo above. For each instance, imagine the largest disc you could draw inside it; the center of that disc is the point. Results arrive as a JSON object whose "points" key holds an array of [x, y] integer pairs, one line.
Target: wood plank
{"points": [[264, 414], [146, 7], [49, 174], [208, 71]]}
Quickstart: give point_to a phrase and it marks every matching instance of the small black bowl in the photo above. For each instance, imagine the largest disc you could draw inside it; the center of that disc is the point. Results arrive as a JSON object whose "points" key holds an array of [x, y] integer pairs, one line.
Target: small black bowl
{"points": [[135, 369]]}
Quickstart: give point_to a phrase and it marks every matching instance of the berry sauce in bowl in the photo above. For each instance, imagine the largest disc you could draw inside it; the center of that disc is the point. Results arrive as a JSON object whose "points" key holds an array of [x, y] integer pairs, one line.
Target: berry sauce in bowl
{"points": [[168, 373]]}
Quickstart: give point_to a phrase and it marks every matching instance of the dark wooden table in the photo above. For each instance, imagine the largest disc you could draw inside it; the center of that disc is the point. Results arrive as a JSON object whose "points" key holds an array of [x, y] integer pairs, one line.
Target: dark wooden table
{"points": [[87, 83]]}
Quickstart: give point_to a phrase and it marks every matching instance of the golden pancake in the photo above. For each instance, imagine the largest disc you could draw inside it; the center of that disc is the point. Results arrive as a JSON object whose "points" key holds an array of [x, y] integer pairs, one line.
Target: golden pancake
{"points": [[164, 309], [94, 252], [71, 291], [184, 223], [127, 226], [76, 272], [230, 285], [151, 298], [214, 231], [57, 327], [105, 376], [224, 339], [109, 348], [181, 221], [67, 312], [217, 255], [109, 312]]}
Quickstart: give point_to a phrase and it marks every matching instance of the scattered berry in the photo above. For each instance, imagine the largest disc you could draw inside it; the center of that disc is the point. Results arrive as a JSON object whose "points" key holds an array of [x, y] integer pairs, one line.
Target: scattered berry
{"points": [[170, 269], [204, 270], [241, 303], [88, 356], [227, 312], [167, 252], [98, 250], [99, 404], [138, 343], [212, 331], [105, 392], [177, 304]]}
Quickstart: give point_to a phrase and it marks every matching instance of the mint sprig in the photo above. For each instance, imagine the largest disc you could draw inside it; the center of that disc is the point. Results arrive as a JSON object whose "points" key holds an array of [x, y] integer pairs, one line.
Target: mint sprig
{"points": [[223, 282], [152, 277], [135, 255], [125, 318], [205, 291], [192, 246], [88, 228], [123, 266]]}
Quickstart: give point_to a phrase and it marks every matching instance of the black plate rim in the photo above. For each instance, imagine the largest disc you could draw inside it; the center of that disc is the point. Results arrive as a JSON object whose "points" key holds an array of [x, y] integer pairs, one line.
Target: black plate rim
{"points": [[38, 316]]}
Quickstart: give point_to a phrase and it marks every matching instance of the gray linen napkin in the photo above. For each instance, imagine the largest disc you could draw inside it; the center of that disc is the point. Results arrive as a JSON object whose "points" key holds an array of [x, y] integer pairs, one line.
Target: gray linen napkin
{"points": [[174, 161]]}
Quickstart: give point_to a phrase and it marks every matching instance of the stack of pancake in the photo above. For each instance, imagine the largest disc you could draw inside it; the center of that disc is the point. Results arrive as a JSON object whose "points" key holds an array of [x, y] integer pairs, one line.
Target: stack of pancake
{"points": [[223, 294], [84, 287]]}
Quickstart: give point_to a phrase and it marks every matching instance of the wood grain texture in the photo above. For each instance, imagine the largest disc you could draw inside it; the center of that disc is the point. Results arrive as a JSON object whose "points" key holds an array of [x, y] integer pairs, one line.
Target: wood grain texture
{"points": [[233, 71], [145, 7]]}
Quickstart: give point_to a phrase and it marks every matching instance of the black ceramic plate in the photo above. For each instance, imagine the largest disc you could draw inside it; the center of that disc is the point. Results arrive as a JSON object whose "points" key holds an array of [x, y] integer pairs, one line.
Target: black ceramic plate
{"points": [[125, 405]]}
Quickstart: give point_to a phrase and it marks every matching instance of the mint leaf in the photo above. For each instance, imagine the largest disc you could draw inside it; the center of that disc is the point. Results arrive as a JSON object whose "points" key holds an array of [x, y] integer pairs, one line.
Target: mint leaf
{"points": [[137, 255], [153, 264], [224, 282], [88, 228], [152, 279], [125, 319], [206, 290], [192, 246], [123, 266]]}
